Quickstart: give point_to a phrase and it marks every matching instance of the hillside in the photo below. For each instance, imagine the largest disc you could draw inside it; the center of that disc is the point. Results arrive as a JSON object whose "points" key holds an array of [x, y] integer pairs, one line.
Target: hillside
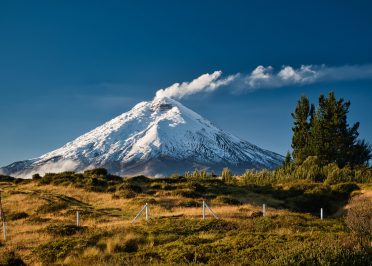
{"points": [[41, 221]]}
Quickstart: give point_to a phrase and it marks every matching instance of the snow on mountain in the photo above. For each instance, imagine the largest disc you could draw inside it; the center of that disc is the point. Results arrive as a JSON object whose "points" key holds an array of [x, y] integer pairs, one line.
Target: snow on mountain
{"points": [[158, 137]]}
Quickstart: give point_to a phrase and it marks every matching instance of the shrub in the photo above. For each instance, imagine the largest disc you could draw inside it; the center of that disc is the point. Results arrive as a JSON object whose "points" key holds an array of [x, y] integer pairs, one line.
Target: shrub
{"points": [[332, 173], [128, 190], [37, 220], [322, 253], [187, 193], [52, 206], [363, 175], [5, 178], [344, 189], [96, 172], [227, 200], [92, 180], [36, 177], [227, 176], [195, 186], [189, 203], [336, 175], [310, 169], [129, 244], [131, 187], [138, 179], [11, 259], [264, 177], [17, 216], [198, 174], [54, 250], [64, 229]]}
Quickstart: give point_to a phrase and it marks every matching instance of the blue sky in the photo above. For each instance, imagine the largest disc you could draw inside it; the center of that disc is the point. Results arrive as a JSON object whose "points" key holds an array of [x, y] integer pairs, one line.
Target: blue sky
{"points": [[68, 66]]}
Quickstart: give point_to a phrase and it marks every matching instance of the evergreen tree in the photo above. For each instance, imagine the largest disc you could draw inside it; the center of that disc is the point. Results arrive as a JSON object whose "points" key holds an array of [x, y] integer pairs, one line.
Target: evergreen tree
{"points": [[325, 133], [288, 165], [287, 160], [302, 116], [333, 140], [361, 153]]}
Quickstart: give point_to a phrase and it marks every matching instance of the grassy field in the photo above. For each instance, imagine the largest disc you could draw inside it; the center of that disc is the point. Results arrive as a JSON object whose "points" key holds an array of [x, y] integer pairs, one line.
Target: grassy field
{"points": [[41, 222]]}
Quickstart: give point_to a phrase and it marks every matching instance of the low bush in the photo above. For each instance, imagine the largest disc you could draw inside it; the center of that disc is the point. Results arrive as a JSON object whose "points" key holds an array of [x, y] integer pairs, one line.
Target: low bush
{"points": [[64, 229], [59, 248], [189, 203], [323, 253], [130, 187], [141, 179], [17, 216], [96, 171], [37, 219], [10, 258], [97, 180], [130, 244], [226, 200], [5, 178], [344, 189], [52, 206], [54, 250]]}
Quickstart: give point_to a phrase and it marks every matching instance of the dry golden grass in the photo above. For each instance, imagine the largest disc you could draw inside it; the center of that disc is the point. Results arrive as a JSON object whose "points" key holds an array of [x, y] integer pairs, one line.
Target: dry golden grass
{"points": [[113, 215], [24, 236]]}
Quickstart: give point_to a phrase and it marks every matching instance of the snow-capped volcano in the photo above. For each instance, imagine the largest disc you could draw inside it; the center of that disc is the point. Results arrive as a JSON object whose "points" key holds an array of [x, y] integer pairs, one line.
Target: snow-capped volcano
{"points": [[156, 137]]}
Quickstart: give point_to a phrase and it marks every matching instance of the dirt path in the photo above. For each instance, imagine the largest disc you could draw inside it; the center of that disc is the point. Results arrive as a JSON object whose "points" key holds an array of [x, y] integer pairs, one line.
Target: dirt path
{"points": [[363, 193]]}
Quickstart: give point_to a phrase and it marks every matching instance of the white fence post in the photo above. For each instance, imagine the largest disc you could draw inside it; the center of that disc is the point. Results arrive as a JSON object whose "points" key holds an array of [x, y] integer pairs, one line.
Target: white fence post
{"points": [[263, 209], [321, 213], [139, 213], [203, 212], [205, 205], [77, 218]]}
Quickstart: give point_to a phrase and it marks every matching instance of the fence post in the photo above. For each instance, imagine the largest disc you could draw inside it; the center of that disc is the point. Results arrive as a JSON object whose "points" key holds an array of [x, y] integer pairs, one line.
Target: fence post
{"points": [[203, 209], [77, 218], [321, 213], [212, 212], [139, 213], [263, 209]]}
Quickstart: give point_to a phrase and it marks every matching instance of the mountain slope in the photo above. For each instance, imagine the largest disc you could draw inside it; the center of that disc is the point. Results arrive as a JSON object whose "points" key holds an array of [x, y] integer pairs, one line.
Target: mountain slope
{"points": [[156, 137]]}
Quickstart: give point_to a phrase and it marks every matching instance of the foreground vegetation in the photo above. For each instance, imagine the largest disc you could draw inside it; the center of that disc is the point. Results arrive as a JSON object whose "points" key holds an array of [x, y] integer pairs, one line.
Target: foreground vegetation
{"points": [[41, 221]]}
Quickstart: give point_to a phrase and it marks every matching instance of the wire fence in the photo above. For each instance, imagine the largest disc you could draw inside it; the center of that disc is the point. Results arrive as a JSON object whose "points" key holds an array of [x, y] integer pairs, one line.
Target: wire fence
{"points": [[145, 209]]}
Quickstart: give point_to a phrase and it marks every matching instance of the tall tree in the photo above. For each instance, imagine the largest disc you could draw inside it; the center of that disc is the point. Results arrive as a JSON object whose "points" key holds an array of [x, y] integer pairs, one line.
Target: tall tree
{"points": [[327, 135], [302, 117], [287, 160], [335, 141]]}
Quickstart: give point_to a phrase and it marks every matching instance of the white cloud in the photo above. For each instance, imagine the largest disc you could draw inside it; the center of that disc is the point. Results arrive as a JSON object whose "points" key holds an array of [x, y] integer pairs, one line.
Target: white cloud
{"points": [[267, 78], [206, 82], [50, 167]]}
